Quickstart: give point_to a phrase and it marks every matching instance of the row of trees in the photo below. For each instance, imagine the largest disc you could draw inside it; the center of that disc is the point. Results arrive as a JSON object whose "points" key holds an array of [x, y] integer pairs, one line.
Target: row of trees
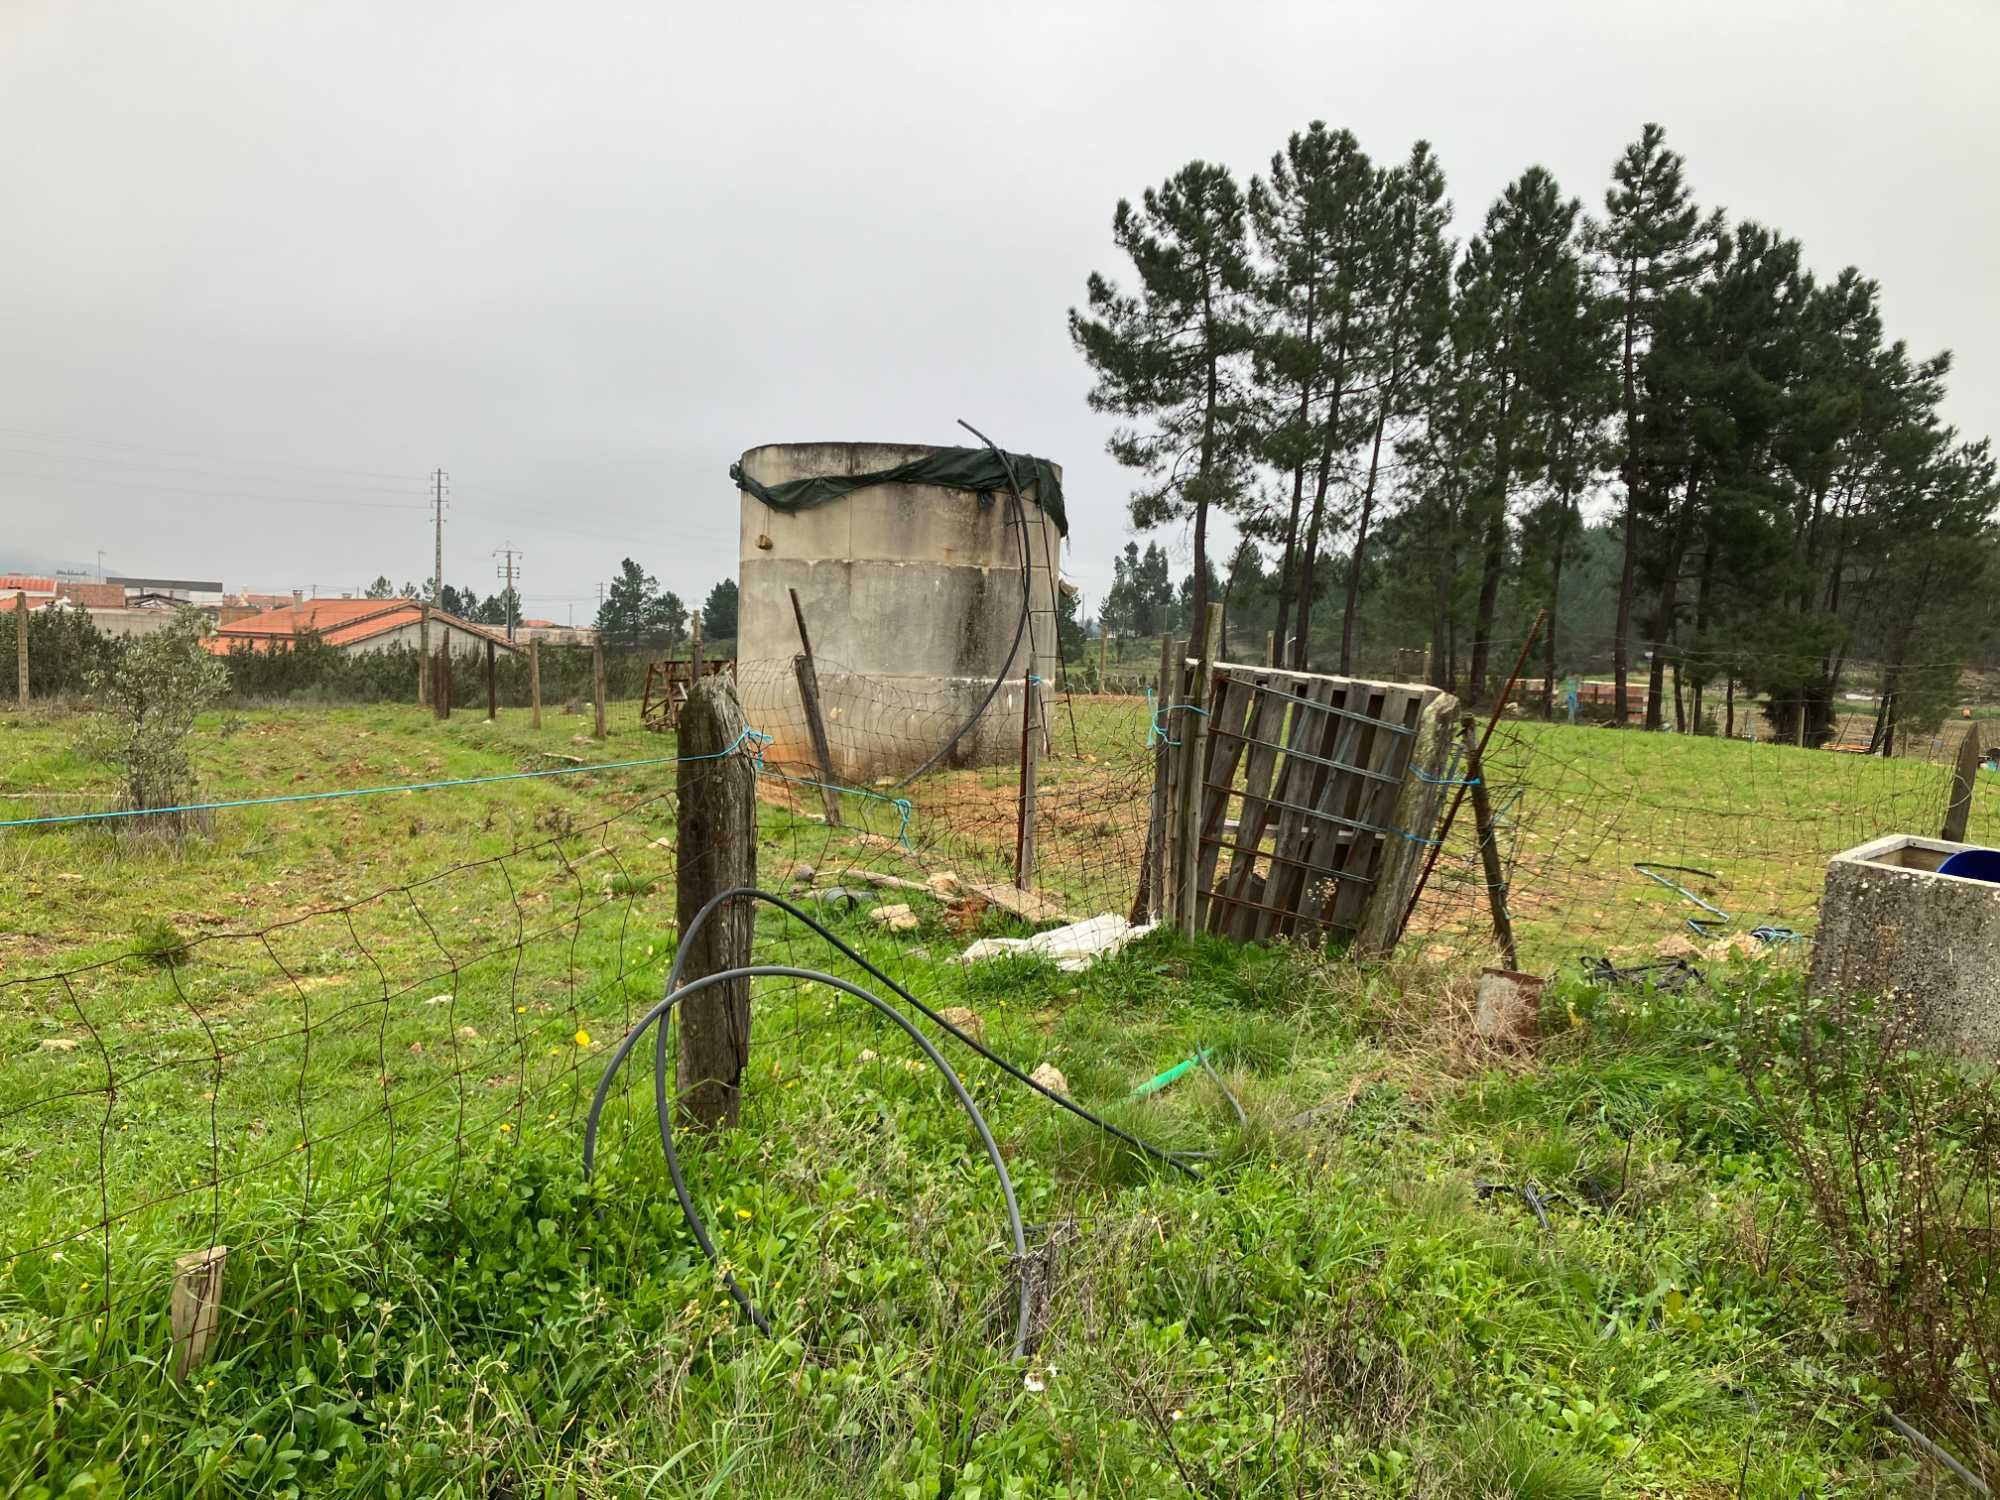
{"points": [[636, 611], [1443, 430]]}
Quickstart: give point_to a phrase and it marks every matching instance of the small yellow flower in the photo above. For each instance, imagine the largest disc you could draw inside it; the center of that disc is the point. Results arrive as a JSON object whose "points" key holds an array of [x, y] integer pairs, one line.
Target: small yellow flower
{"points": [[742, 1213], [582, 1037], [504, 1128], [520, 1010]]}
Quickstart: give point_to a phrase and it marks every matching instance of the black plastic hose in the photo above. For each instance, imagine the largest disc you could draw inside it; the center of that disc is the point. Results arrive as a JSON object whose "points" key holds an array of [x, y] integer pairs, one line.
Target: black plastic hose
{"points": [[663, 1106], [754, 893]]}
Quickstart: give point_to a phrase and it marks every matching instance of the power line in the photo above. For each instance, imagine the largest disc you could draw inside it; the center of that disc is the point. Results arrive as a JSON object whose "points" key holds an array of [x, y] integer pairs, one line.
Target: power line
{"points": [[261, 497]]}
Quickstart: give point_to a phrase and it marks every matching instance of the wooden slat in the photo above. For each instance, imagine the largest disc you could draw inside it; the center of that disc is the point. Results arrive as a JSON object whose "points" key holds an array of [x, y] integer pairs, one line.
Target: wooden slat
{"points": [[1232, 701], [1375, 804], [1266, 724], [1349, 739], [1300, 783]]}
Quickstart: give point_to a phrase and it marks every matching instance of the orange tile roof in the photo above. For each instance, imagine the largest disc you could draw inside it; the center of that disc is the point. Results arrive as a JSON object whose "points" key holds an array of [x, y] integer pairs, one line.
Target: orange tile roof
{"points": [[338, 622], [15, 583]]}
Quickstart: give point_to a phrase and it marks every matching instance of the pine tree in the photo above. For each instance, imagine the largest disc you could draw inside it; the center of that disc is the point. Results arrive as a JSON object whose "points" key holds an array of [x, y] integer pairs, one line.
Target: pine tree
{"points": [[1413, 278], [381, 588], [718, 612], [1319, 221], [629, 611], [1518, 288], [1652, 239], [1171, 355]]}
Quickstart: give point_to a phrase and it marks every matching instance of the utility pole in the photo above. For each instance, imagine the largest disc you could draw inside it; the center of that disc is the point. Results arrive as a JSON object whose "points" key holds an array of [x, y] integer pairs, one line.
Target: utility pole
{"points": [[438, 481], [507, 570]]}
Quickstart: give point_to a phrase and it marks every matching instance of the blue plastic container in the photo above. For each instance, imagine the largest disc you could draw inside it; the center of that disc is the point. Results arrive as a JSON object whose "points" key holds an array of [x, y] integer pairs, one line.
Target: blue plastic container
{"points": [[1974, 864]]}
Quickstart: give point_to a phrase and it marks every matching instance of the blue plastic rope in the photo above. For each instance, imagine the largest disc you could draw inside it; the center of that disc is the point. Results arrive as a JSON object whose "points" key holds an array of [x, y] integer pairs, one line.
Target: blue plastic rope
{"points": [[903, 806], [751, 735], [1158, 733]]}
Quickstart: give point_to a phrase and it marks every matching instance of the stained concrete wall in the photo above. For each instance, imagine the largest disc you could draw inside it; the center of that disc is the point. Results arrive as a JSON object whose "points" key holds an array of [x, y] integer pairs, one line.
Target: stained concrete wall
{"points": [[912, 594], [1889, 924]]}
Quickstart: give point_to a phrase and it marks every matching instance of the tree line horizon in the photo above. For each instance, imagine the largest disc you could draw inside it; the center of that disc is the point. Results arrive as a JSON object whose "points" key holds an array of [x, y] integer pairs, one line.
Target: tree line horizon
{"points": [[1409, 430]]}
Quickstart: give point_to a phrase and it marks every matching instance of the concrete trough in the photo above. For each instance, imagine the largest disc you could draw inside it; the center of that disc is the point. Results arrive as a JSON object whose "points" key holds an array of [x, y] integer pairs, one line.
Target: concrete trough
{"points": [[1890, 924]]}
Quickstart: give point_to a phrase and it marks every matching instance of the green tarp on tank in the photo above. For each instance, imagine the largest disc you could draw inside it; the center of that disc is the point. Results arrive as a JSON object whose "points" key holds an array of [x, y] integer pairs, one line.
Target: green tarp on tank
{"points": [[977, 469]]}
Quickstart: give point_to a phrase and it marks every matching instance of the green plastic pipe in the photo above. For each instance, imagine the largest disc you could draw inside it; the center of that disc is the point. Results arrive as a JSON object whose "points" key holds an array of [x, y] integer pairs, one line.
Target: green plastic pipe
{"points": [[1155, 1084]]}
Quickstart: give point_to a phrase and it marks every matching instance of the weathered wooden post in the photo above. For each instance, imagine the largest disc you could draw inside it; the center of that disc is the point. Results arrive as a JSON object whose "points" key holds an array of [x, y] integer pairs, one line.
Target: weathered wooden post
{"points": [[1194, 762], [21, 641], [718, 850], [1964, 776], [597, 682], [535, 682], [1103, 640], [196, 1307], [423, 653], [1154, 887], [492, 685], [807, 671], [441, 679], [694, 646], [1489, 844], [1031, 770]]}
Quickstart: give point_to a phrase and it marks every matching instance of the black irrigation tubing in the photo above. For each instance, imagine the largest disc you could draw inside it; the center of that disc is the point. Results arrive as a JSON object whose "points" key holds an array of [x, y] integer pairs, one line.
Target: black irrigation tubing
{"points": [[1177, 1159], [663, 1106], [1020, 629]]}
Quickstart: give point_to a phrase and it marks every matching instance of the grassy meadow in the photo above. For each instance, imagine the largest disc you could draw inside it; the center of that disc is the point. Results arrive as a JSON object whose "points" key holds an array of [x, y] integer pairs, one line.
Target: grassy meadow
{"points": [[376, 1104]]}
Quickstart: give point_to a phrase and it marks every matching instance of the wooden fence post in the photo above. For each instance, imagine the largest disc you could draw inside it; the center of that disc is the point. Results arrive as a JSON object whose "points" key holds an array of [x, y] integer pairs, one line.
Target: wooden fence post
{"points": [[196, 1307], [717, 850], [807, 672], [1155, 894], [597, 682], [492, 686], [21, 641], [535, 682], [694, 646], [1489, 844], [1964, 776], [423, 653], [1194, 773], [1031, 770], [441, 678], [1103, 640]]}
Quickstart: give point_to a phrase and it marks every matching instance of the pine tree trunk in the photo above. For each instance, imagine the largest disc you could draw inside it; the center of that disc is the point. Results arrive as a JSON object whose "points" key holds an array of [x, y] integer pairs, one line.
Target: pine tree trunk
{"points": [[1356, 561], [1621, 639], [1288, 578]]}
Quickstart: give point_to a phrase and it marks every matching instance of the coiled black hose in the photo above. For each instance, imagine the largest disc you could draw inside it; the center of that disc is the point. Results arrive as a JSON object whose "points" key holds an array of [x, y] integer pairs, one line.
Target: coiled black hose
{"points": [[1175, 1159], [664, 1108]]}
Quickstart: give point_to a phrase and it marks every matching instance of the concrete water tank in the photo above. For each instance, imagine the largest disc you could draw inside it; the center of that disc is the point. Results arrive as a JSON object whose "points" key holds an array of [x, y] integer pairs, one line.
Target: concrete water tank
{"points": [[912, 593]]}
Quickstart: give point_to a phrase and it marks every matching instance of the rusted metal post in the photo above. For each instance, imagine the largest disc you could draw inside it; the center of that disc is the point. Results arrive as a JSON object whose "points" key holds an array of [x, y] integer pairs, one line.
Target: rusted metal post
{"points": [[1458, 797]]}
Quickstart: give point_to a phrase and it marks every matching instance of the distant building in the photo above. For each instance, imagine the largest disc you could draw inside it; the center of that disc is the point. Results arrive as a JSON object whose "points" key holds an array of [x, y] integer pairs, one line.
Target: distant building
{"points": [[353, 625], [551, 634]]}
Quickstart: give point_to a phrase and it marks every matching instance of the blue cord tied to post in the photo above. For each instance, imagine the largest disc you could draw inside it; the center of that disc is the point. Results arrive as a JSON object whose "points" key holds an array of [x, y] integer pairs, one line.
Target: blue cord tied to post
{"points": [[1157, 734]]}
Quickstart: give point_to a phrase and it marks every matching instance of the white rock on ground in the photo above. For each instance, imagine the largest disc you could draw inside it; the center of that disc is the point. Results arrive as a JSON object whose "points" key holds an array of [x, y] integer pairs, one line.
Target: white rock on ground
{"points": [[898, 918], [1049, 1076]]}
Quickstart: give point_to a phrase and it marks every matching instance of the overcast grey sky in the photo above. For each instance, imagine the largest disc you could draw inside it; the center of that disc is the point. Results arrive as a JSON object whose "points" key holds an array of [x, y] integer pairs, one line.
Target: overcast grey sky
{"points": [[581, 255]]}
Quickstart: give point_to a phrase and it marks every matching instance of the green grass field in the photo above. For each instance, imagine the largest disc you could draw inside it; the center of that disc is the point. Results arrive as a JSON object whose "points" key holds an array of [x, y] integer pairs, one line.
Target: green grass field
{"points": [[377, 1108]]}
